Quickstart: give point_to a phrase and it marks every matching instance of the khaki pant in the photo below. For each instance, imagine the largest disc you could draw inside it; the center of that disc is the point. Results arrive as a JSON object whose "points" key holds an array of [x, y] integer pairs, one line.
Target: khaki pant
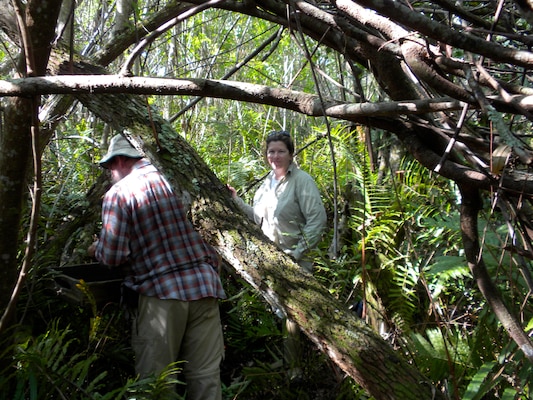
{"points": [[166, 331]]}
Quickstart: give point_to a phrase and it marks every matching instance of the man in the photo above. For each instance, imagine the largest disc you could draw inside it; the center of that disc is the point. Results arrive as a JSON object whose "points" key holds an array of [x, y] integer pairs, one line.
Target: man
{"points": [[174, 272]]}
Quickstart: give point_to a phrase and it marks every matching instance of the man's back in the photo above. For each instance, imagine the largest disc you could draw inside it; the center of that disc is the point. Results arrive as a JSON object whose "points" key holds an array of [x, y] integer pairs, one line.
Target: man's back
{"points": [[145, 225]]}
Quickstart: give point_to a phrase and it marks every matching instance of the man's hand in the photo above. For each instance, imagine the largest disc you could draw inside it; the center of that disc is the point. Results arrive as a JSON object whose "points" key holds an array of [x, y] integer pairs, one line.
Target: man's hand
{"points": [[92, 249]]}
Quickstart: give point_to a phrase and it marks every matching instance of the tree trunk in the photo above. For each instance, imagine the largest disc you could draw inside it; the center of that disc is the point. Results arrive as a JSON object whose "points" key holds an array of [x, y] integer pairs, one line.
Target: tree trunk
{"points": [[15, 166], [15, 149], [36, 33]]}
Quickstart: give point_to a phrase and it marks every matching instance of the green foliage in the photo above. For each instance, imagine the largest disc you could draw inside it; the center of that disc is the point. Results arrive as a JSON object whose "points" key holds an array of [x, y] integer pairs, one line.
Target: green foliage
{"points": [[252, 336], [441, 352], [447, 273], [506, 377], [69, 171], [64, 363], [253, 367], [415, 279], [249, 322], [160, 387], [46, 367], [481, 382]]}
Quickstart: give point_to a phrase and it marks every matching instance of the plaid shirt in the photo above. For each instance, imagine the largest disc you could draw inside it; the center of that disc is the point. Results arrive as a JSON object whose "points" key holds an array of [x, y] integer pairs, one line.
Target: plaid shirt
{"points": [[144, 225]]}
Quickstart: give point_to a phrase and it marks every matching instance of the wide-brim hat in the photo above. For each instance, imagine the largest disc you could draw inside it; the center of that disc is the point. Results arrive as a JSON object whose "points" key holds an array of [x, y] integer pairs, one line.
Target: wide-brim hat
{"points": [[119, 146]]}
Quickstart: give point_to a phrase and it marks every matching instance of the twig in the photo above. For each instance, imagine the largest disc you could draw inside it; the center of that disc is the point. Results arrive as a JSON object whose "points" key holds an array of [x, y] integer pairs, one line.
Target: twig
{"points": [[126, 68]]}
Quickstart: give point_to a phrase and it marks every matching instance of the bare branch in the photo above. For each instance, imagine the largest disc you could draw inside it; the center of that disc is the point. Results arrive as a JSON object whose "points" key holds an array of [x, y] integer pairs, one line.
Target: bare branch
{"points": [[401, 14], [470, 207], [290, 99]]}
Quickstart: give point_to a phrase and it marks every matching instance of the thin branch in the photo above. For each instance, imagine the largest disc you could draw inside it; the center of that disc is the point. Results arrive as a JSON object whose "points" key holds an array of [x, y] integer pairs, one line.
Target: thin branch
{"points": [[328, 127], [503, 93], [232, 71], [470, 206], [453, 140], [398, 12], [508, 137], [126, 68], [25, 39]]}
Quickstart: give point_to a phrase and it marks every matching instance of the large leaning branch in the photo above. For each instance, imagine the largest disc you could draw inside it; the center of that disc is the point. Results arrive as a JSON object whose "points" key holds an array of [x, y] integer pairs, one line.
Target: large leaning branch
{"points": [[305, 103], [308, 104]]}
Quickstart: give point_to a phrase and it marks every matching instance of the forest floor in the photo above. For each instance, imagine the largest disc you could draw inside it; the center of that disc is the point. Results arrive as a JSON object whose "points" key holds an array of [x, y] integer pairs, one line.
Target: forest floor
{"points": [[320, 380]]}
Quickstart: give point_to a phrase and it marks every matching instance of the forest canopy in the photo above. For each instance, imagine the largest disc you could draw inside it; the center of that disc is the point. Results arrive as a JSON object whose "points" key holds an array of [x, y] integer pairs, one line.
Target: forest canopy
{"points": [[413, 117]]}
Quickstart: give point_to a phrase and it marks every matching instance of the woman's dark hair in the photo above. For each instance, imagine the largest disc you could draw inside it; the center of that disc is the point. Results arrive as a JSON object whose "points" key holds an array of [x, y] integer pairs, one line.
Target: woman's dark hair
{"points": [[281, 136]]}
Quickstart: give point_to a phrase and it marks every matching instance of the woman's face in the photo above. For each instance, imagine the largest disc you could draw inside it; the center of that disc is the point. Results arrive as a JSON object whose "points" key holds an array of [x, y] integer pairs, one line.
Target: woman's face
{"points": [[278, 155]]}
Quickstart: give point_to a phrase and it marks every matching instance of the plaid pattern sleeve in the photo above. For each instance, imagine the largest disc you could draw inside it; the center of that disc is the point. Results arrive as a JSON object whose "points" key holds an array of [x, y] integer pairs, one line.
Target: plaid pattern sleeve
{"points": [[114, 233], [145, 225]]}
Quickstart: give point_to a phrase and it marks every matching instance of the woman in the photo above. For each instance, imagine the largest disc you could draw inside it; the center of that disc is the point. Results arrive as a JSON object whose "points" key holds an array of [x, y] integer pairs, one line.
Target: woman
{"points": [[287, 205], [290, 211]]}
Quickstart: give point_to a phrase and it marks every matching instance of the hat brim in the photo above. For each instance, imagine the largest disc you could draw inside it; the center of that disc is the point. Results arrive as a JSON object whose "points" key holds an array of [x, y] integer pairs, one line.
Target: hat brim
{"points": [[104, 162]]}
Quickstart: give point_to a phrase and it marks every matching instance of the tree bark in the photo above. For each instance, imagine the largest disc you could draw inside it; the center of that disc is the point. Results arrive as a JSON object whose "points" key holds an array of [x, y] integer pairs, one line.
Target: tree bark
{"points": [[15, 166], [305, 103], [15, 146], [36, 33]]}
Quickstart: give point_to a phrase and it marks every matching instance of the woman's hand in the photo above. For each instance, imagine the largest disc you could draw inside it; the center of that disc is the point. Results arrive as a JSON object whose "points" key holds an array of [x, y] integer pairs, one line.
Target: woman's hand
{"points": [[233, 191]]}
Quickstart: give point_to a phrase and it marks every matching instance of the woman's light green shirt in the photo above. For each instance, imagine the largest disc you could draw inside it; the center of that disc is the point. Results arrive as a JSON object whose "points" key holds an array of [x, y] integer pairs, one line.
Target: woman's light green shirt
{"points": [[290, 212]]}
